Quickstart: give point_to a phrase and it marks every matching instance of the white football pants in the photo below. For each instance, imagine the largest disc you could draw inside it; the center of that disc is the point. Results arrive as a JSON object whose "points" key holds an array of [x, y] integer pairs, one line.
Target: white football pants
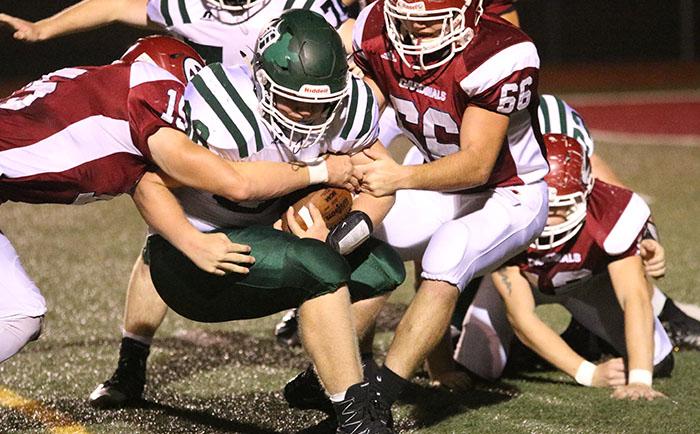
{"points": [[459, 236], [21, 303]]}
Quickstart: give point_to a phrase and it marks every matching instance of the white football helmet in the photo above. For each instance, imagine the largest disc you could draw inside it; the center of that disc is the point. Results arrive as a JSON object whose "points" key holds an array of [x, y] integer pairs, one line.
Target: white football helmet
{"points": [[459, 19]]}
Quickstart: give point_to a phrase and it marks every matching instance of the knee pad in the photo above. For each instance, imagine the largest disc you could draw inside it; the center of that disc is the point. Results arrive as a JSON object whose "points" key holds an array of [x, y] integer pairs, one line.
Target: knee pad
{"points": [[445, 257], [16, 332]]}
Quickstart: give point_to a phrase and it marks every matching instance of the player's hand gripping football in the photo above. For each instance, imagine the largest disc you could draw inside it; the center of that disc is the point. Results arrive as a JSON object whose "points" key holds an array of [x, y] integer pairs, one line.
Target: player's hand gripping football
{"points": [[318, 229], [383, 176], [654, 258], [341, 172], [216, 254], [23, 30]]}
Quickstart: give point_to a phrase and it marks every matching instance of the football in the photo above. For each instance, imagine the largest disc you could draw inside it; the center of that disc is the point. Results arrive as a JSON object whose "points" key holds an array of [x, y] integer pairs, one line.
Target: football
{"points": [[333, 203]]}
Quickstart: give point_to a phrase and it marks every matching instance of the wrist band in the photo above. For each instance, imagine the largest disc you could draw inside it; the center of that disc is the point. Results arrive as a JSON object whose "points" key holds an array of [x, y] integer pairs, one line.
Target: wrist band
{"points": [[639, 376], [318, 173], [584, 373]]}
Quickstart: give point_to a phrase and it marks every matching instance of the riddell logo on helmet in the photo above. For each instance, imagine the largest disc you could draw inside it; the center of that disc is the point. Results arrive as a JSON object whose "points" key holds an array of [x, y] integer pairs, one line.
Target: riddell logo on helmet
{"points": [[310, 89], [419, 6]]}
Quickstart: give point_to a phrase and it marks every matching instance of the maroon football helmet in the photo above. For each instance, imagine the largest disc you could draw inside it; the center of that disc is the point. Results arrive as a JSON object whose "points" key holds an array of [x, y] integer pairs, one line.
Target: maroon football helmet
{"points": [[459, 19], [569, 182], [169, 53]]}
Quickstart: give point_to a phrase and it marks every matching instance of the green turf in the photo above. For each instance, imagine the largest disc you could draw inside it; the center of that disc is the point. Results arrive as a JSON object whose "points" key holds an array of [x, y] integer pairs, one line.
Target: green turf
{"points": [[226, 378]]}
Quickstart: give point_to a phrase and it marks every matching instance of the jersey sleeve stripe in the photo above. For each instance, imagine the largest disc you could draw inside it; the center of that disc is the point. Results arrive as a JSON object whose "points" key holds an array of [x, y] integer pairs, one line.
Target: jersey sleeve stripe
{"points": [[143, 72], [219, 73], [562, 115], [166, 13], [351, 112], [514, 58], [183, 12], [544, 116], [628, 226], [220, 112], [368, 112]]}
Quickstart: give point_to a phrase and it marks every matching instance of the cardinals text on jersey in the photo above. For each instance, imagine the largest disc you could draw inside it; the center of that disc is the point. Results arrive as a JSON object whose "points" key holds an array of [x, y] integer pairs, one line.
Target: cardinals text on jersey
{"points": [[497, 71]]}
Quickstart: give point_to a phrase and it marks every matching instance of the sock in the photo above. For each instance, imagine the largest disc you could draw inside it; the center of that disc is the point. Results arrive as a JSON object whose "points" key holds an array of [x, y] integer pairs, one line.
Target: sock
{"points": [[658, 300], [131, 349], [369, 366], [338, 397], [145, 340], [389, 385]]}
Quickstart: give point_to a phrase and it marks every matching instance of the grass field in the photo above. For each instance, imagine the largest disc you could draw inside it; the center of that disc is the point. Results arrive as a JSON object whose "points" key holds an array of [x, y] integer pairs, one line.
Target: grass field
{"points": [[227, 378]]}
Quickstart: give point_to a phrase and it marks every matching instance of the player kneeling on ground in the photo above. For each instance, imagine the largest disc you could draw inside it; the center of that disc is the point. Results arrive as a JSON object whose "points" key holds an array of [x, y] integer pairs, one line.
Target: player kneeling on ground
{"points": [[588, 260], [297, 105]]}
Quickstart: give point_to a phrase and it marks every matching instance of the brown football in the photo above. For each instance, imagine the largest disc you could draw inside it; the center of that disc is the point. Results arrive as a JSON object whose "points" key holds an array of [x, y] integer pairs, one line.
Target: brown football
{"points": [[333, 203]]}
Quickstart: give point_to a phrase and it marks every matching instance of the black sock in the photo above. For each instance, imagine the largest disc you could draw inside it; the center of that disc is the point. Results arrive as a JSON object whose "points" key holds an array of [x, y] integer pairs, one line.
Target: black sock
{"points": [[132, 349], [389, 385], [369, 366], [671, 312]]}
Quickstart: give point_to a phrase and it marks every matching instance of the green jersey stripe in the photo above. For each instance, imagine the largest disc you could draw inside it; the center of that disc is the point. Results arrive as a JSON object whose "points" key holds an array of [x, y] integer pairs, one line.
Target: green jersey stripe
{"points": [[368, 114], [166, 13], [183, 12], [545, 114], [289, 4], [562, 115], [219, 110], [308, 4], [220, 74], [351, 111]]}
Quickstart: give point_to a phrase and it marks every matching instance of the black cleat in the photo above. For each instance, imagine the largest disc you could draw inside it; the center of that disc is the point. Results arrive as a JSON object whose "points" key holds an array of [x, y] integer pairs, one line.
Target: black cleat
{"points": [[306, 393], [287, 330], [682, 329], [125, 387], [356, 415], [684, 334]]}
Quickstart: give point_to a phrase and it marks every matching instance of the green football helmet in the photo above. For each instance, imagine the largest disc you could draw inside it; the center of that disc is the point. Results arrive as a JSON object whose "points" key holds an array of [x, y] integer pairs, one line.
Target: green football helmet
{"points": [[299, 58]]}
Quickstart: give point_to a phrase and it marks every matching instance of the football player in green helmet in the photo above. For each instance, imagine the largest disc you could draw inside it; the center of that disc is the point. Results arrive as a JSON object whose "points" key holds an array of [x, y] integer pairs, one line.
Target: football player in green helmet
{"points": [[315, 269]]}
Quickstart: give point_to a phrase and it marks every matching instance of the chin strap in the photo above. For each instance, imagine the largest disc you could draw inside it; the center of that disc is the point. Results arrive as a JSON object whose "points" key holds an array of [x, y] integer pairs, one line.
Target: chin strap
{"points": [[350, 233]]}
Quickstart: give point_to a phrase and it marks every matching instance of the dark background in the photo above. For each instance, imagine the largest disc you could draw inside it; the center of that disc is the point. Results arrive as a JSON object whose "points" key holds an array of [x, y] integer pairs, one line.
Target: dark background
{"points": [[566, 31]]}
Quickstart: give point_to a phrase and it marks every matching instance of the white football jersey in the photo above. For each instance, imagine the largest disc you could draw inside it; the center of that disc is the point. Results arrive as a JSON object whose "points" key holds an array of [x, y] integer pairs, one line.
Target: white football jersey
{"points": [[220, 36], [558, 117], [224, 114]]}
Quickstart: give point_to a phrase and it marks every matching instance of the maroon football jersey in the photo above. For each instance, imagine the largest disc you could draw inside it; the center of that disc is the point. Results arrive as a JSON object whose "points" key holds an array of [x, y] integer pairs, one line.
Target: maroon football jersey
{"points": [[80, 134], [497, 71], [498, 7], [615, 219]]}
